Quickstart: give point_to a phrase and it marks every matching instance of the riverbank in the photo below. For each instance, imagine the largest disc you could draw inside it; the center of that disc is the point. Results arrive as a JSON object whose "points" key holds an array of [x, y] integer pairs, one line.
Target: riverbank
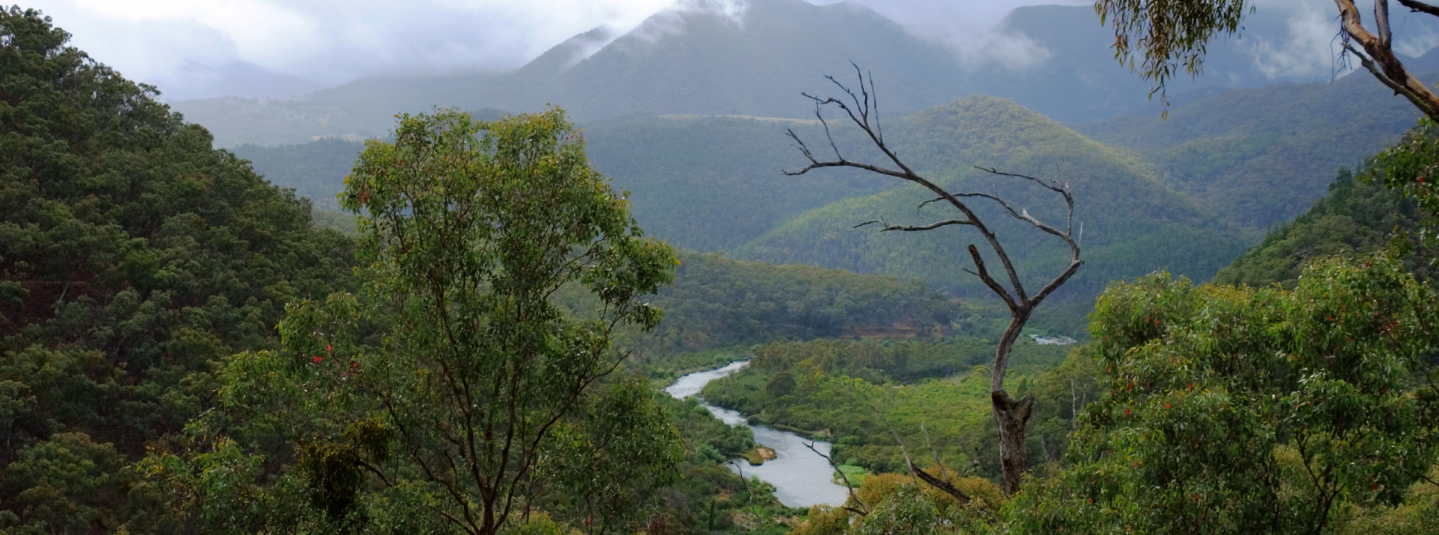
{"points": [[800, 477]]}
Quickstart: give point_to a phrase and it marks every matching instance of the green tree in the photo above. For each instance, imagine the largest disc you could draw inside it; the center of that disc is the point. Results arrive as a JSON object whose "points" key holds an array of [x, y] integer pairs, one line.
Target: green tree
{"points": [[1258, 411], [452, 380]]}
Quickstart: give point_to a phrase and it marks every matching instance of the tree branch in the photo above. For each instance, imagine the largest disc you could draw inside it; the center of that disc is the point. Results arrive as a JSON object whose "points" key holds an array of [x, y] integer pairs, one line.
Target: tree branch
{"points": [[863, 509], [1378, 48], [1420, 7]]}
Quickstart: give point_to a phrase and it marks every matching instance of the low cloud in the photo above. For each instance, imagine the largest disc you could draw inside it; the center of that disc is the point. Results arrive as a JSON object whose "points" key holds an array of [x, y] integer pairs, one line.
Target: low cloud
{"points": [[1308, 50], [970, 28], [671, 19]]}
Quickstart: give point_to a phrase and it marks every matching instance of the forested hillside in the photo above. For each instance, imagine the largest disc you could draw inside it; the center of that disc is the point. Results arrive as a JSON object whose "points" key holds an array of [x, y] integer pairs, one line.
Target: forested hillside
{"points": [[717, 301], [1260, 156], [133, 259], [310, 169], [1133, 224], [1355, 218]]}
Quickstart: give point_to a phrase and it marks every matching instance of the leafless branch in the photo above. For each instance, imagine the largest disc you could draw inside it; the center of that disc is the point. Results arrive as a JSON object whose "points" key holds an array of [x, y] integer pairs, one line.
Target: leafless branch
{"points": [[917, 472], [863, 509], [1420, 7]]}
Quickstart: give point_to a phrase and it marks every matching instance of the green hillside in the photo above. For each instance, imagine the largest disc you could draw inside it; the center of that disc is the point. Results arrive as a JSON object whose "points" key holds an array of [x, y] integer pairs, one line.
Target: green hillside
{"points": [[1260, 156], [712, 184], [1354, 218], [314, 170], [1132, 223], [718, 302], [133, 258]]}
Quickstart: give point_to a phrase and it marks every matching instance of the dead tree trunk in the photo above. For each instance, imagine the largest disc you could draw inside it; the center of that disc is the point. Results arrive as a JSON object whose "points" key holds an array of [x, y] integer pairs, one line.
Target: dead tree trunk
{"points": [[1010, 415]]}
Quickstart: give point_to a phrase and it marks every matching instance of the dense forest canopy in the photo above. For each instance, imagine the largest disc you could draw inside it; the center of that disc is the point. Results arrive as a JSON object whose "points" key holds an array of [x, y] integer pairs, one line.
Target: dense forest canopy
{"points": [[133, 258]]}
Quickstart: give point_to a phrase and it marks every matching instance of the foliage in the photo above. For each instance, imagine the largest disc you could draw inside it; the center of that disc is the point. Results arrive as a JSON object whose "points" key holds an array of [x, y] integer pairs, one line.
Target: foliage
{"points": [[1170, 34], [1408, 167], [451, 384], [896, 505], [1356, 218], [133, 258], [717, 301], [1323, 397]]}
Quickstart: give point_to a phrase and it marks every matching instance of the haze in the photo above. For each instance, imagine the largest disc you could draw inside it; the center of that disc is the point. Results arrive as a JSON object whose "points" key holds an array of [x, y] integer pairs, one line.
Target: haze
{"points": [[274, 48]]}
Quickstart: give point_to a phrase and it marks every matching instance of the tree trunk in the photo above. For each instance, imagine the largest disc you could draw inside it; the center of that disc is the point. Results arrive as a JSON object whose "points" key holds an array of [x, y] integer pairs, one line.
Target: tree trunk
{"points": [[1010, 416]]}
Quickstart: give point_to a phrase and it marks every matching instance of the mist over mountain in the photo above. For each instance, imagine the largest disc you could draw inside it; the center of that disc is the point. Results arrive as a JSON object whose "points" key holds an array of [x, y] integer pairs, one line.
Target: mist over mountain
{"points": [[754, 58]]}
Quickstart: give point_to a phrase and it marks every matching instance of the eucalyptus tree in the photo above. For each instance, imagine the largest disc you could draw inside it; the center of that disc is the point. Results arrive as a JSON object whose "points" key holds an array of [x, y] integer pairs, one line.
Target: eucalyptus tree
{"points": [[453, 380], [1010, 415], [1250, 410]]}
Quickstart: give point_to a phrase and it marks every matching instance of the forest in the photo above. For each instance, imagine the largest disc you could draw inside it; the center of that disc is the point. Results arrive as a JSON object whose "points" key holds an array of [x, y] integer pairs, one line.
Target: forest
{"points": [[1211, 313]]}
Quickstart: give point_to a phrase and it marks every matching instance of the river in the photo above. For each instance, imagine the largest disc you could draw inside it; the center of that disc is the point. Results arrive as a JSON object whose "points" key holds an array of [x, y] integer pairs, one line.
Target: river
{"points": [[800, 477]]}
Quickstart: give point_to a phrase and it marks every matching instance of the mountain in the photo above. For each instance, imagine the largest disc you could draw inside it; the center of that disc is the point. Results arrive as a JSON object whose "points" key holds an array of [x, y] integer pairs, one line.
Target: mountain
{"points": [[1354, 218], [1132, 223], [707, 57], [1260, 156]]}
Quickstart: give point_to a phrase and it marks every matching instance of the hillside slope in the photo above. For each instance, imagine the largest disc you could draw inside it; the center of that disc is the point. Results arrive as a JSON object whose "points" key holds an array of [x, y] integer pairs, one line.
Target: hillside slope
{"points": [[1260, 156], [1132, 223], [1354, 218]]}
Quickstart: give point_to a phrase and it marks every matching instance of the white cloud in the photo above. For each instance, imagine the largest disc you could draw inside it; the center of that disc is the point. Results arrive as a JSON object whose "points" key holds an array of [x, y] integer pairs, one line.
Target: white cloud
{"points": [[1302, 54], [968, 27], [328, 41]]}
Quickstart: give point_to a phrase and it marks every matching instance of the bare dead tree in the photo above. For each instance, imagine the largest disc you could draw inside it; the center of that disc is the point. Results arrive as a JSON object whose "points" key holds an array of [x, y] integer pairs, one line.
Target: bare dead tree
{"points": [[1010, 414]]}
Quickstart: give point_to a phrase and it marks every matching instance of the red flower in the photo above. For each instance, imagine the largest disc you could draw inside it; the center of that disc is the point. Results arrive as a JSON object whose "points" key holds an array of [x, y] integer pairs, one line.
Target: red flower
{"points": [[318, 359], [1126, 412], [329, 347]]}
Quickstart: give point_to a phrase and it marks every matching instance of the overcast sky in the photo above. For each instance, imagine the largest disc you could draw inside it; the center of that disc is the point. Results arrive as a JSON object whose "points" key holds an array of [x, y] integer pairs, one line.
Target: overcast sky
{"points": [[179, 45], [274, 48]]}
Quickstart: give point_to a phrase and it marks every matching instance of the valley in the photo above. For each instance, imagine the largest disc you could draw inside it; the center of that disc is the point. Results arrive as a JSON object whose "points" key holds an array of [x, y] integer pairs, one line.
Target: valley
{"points": [[592, 294]]}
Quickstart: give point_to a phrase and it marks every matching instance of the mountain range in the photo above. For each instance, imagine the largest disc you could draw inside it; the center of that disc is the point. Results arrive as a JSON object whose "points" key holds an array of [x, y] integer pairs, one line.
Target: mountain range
{"points": [[705, 57]]}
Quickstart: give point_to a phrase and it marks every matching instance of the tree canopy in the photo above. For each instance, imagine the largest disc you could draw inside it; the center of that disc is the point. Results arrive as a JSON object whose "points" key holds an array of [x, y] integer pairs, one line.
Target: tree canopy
{"points": [[132, 258]]}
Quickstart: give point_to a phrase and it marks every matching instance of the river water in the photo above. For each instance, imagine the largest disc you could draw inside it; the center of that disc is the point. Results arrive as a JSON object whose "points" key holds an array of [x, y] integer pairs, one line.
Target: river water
{"points": [[800, 477]]}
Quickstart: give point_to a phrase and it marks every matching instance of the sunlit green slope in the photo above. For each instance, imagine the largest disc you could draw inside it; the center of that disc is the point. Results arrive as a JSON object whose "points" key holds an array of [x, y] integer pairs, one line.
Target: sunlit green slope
{"points": [[1132, 224]]}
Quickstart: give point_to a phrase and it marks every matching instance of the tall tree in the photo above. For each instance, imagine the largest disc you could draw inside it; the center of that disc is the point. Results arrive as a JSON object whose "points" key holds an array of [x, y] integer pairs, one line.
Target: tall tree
{"points": [[486, 391], [1010, 415]]}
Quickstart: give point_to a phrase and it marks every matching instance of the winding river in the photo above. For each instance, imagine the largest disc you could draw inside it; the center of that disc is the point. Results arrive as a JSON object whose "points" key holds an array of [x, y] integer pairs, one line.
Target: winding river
{"points": [[800, 477]]}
